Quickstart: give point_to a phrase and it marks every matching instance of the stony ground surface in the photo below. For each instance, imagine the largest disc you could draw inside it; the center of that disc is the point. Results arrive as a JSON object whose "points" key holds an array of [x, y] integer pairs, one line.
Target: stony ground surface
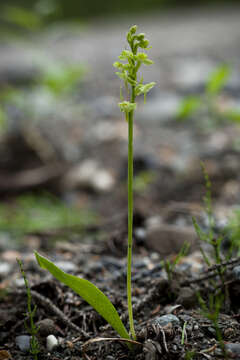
{"points": [[77, 148]]}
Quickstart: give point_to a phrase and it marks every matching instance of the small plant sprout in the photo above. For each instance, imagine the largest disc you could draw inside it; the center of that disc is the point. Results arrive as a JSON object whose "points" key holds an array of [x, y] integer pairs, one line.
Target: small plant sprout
{"points": [[31, 328], [210, 237], [89, 292], [128, 73], [169, 266], [208, 102], [212, 312], [184, 333]]}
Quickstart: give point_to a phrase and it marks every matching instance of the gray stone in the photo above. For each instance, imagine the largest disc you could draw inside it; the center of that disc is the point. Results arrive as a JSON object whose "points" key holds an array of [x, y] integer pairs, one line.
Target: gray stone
{"points": [[66, 266], [233, 349], [46, 327], [23, 342], [89, 174], [169, 239], [186, 297], [5, 268], [166, 319], [236, 272]]}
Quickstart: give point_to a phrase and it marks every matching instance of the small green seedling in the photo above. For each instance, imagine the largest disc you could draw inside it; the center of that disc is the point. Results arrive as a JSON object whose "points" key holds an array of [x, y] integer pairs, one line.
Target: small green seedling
{"points": [[169, 266], [209, 236], [211, 308], [207, 103], [190, 355], [212, 311], [183, 333], [32, 328], [89, 292], [232, 231]]}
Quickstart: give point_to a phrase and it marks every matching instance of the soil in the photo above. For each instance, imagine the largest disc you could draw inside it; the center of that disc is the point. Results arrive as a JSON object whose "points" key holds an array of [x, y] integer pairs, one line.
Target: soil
{"points": [[99, 256]]}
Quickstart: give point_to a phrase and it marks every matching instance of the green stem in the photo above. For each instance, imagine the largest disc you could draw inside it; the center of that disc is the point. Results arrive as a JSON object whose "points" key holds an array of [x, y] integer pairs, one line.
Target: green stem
{"points": [[130, 216]]}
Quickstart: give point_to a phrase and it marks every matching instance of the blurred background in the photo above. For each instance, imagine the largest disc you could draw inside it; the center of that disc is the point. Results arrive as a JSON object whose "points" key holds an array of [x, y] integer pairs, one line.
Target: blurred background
{"points": [[43, 11], [63, 141]]}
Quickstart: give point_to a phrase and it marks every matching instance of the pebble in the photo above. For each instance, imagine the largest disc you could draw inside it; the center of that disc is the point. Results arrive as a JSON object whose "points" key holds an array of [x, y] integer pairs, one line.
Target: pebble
{"points": [[5, 355], [169, 239], [5, 268], [233, 349], [52, 342], [140, 235], [23, 342], [6, 243], [10, 256], [186, 297], [46, 327], [66, 266], [166, 319], [236, 272], [89, 174]]}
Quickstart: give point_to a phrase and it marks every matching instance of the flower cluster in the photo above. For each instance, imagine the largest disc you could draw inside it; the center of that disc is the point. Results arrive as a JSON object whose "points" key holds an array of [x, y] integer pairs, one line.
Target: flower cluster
{"points": [[128, 71]]}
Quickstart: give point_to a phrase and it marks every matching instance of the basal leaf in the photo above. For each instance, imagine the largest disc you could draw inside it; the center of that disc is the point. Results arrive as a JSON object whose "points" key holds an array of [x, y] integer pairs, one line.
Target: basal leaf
{"points": [[89, 292]]}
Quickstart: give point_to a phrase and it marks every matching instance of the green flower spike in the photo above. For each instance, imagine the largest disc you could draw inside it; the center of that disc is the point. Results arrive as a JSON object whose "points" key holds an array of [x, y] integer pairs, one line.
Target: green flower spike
{"points": [[128, 67]]}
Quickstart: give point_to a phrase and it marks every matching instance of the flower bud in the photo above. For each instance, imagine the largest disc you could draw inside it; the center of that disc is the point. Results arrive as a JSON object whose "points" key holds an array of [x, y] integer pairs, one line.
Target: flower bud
{"points": [[140, 36], [133, 29], [118, 65], [144, 44], [147, 62]]}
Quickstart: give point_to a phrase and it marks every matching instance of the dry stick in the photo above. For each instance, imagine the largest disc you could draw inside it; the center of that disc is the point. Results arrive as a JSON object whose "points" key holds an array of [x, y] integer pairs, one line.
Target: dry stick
{"points": [[225, 263], [47, 303], [230, 264]]}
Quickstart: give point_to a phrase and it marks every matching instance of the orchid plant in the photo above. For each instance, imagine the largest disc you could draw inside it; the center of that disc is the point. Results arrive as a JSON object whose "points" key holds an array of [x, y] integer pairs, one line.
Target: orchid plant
{"points": [[128, 67]]}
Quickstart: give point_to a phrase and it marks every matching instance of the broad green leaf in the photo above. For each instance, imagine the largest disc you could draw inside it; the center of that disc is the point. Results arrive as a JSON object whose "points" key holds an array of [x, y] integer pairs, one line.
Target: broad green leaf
{"points": [[89, 292], [188, 107], [218, 79]]}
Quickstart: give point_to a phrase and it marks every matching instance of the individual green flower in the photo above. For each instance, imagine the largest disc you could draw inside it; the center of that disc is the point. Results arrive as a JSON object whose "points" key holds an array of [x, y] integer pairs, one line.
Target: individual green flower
{"points": [[127, 106], [118, 65], [126, 55], [144, 89], [142, 57]]}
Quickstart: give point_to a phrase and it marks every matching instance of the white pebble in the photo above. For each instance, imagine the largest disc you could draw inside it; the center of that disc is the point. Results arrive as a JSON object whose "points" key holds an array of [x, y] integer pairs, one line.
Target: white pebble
{"points": [[52, 342]]}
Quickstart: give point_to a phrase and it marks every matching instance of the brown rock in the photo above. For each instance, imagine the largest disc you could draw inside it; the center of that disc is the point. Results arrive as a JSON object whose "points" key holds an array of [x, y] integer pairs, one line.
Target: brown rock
{"points": [[169, 239]]}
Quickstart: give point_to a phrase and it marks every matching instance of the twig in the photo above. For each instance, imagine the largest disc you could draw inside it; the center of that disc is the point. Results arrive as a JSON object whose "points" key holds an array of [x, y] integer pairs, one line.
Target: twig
{"points": [[230, 264], [47, 303]]}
